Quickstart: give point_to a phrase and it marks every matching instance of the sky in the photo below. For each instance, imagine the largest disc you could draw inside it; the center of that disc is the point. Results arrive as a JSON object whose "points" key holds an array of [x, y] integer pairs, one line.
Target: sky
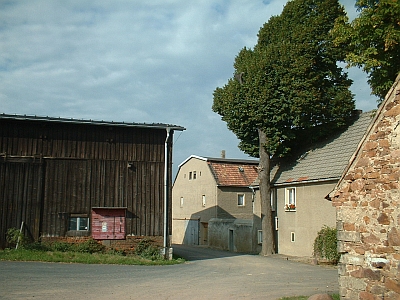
{"points": [[139, 61]]}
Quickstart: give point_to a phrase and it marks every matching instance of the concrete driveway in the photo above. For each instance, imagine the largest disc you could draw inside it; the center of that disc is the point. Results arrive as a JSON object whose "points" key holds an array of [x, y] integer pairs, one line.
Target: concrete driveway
{"points": [[209, 275]]}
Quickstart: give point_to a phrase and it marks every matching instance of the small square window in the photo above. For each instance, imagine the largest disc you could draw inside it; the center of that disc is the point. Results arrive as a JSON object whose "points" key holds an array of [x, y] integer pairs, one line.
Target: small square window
{"points": [[78, 223], [240, 200], [292, 237], [190, 175], [203, 200], [181, 203], [194, 175]]}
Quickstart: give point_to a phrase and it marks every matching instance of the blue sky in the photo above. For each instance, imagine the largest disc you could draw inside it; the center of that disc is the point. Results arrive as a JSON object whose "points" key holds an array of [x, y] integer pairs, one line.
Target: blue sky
{"points": [[155, 61]]}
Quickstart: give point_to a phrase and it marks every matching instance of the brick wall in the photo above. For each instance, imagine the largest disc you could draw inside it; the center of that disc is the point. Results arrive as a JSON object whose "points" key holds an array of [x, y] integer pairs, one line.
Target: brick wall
{"points": [[368, 210], [128, 245]]}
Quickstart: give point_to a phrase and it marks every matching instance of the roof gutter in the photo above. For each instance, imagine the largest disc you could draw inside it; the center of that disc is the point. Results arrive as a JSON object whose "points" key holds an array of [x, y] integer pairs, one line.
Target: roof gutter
{"points": [[305, 181]]}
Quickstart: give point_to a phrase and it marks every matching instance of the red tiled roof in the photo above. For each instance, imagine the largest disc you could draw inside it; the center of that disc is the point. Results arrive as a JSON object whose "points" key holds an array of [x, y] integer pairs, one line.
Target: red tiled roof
{"points": [[233, 174]]}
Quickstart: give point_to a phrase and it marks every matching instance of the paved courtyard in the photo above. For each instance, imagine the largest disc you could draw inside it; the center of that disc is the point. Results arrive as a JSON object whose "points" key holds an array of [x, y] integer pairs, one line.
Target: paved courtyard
{"points": [[209, 274]]}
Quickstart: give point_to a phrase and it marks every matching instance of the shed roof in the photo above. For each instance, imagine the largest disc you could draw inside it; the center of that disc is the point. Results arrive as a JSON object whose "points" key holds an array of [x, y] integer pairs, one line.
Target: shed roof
{"points": [[89, 122], [327, 159]]}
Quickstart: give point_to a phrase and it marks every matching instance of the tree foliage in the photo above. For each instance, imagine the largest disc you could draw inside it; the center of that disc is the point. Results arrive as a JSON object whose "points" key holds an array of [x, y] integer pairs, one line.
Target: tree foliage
{"points": [[373, 42], [286, 92], [289, 85]]}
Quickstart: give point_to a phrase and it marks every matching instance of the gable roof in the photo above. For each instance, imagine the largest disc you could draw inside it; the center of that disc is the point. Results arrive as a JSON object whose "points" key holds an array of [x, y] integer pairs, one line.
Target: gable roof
{"points": [[237, 173], [230, 172], [386, 108], [326, 160]]}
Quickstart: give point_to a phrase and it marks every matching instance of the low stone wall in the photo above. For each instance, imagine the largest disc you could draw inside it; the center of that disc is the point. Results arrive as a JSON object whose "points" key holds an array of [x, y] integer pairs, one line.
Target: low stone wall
{"points": [[221, 231]]}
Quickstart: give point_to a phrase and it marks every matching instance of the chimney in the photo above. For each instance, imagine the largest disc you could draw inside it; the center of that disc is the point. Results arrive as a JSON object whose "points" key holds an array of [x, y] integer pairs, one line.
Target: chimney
{"points": [[223, 154]]}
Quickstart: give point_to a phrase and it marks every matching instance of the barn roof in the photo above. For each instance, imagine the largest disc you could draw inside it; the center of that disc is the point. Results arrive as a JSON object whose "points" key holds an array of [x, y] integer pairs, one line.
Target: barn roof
{"points": [[88, 122], [325, 160]]}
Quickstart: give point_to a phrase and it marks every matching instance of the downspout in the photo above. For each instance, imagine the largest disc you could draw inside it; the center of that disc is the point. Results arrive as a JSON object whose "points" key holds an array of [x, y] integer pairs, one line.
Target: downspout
{"points": [[166, 160]]}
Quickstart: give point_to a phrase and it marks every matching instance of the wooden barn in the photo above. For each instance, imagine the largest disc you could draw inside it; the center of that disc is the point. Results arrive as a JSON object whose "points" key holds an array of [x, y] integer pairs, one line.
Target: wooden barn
{"points": [[76, 178]]}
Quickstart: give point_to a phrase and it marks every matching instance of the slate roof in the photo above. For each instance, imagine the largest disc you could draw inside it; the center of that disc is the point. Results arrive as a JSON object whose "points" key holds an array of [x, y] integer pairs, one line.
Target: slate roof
{"points": [[326, 160]]}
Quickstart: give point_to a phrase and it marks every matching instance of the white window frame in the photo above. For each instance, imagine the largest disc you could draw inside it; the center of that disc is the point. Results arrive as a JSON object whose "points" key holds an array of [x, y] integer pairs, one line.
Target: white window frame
{"points": [[181, 202], [243, 197], [203, 200], [259, 237], [78, 224], [290, 199]]}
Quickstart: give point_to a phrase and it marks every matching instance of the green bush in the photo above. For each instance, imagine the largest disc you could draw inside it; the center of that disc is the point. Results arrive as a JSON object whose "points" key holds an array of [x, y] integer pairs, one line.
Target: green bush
{"points": [[325, 244], [89, 246], [147, 250], [14, 237], [61, 246], [37, 246]]}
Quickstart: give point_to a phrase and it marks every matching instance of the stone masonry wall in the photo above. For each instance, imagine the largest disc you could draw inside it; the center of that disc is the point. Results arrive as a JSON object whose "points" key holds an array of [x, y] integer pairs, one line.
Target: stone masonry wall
{"points": [[368, 212]]}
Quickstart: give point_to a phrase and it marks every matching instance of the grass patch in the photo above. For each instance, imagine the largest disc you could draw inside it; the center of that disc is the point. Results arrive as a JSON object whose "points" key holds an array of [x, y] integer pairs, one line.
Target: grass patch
{"points": [[334, 296], [81, 257]]}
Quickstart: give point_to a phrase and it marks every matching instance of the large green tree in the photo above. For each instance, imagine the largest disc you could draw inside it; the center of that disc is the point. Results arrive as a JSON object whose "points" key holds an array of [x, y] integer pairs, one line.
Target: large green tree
{"points": [[286, 92], [373, 42]]}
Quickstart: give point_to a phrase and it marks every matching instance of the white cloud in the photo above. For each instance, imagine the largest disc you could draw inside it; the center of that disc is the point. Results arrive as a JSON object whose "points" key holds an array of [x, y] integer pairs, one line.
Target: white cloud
{"points": [[140, 61]]}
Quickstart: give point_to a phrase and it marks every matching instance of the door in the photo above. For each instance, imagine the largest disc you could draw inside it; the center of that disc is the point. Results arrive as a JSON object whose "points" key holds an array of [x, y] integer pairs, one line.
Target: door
{"points": [[191, 232], [231, 242]]}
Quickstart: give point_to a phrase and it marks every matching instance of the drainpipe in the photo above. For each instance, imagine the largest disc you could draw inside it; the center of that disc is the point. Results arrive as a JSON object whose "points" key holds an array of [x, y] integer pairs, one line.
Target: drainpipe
{"points": [[166, 160]]}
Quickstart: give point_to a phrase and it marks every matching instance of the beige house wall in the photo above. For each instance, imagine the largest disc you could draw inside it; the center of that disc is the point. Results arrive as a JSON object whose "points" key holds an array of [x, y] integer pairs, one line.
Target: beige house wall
{"points": [[311, 214], [192, 191], [228, 207]]}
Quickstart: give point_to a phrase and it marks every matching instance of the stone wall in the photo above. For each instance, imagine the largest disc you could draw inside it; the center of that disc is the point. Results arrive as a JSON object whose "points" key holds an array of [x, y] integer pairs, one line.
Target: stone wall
{"points": [[368, 210]]}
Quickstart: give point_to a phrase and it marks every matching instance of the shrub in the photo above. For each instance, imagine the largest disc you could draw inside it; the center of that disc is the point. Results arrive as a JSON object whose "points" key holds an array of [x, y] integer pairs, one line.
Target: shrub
{"points": [[89, 246], [61, 246], [37, 246], [147, 250], [325, 244], [14, 236]]}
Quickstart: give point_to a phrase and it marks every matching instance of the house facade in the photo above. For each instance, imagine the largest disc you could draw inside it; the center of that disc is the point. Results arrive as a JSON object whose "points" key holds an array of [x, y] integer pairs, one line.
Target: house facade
{"points": [[213, 203], [81, 178], [367, 201], [299, 187]]}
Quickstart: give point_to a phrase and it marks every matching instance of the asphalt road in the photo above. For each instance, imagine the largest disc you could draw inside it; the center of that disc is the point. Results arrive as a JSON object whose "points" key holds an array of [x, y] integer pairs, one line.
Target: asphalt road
{"points": [[209, 274]]}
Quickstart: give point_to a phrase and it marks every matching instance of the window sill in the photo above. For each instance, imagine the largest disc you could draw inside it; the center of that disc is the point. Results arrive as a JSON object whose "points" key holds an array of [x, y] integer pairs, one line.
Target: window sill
{"points": [[290, 210]]}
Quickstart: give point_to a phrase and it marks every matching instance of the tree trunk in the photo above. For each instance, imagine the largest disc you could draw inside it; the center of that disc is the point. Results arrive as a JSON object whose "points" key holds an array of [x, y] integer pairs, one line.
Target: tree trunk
{"points": [[268, 241]]}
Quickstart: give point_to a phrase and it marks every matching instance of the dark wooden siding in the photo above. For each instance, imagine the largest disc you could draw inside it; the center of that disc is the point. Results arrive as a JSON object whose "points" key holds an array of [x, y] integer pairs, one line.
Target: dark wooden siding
{"points": [[21, 190], [71, 168]]}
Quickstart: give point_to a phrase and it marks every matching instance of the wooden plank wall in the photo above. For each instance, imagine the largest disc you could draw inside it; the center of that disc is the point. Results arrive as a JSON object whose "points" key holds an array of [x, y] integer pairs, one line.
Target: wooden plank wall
{"points": [[21, 197], [85, 166]]}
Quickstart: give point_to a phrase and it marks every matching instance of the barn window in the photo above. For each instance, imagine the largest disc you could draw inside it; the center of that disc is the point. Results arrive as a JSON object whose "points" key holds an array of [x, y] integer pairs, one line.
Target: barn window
{"points": [[78, 223]]}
